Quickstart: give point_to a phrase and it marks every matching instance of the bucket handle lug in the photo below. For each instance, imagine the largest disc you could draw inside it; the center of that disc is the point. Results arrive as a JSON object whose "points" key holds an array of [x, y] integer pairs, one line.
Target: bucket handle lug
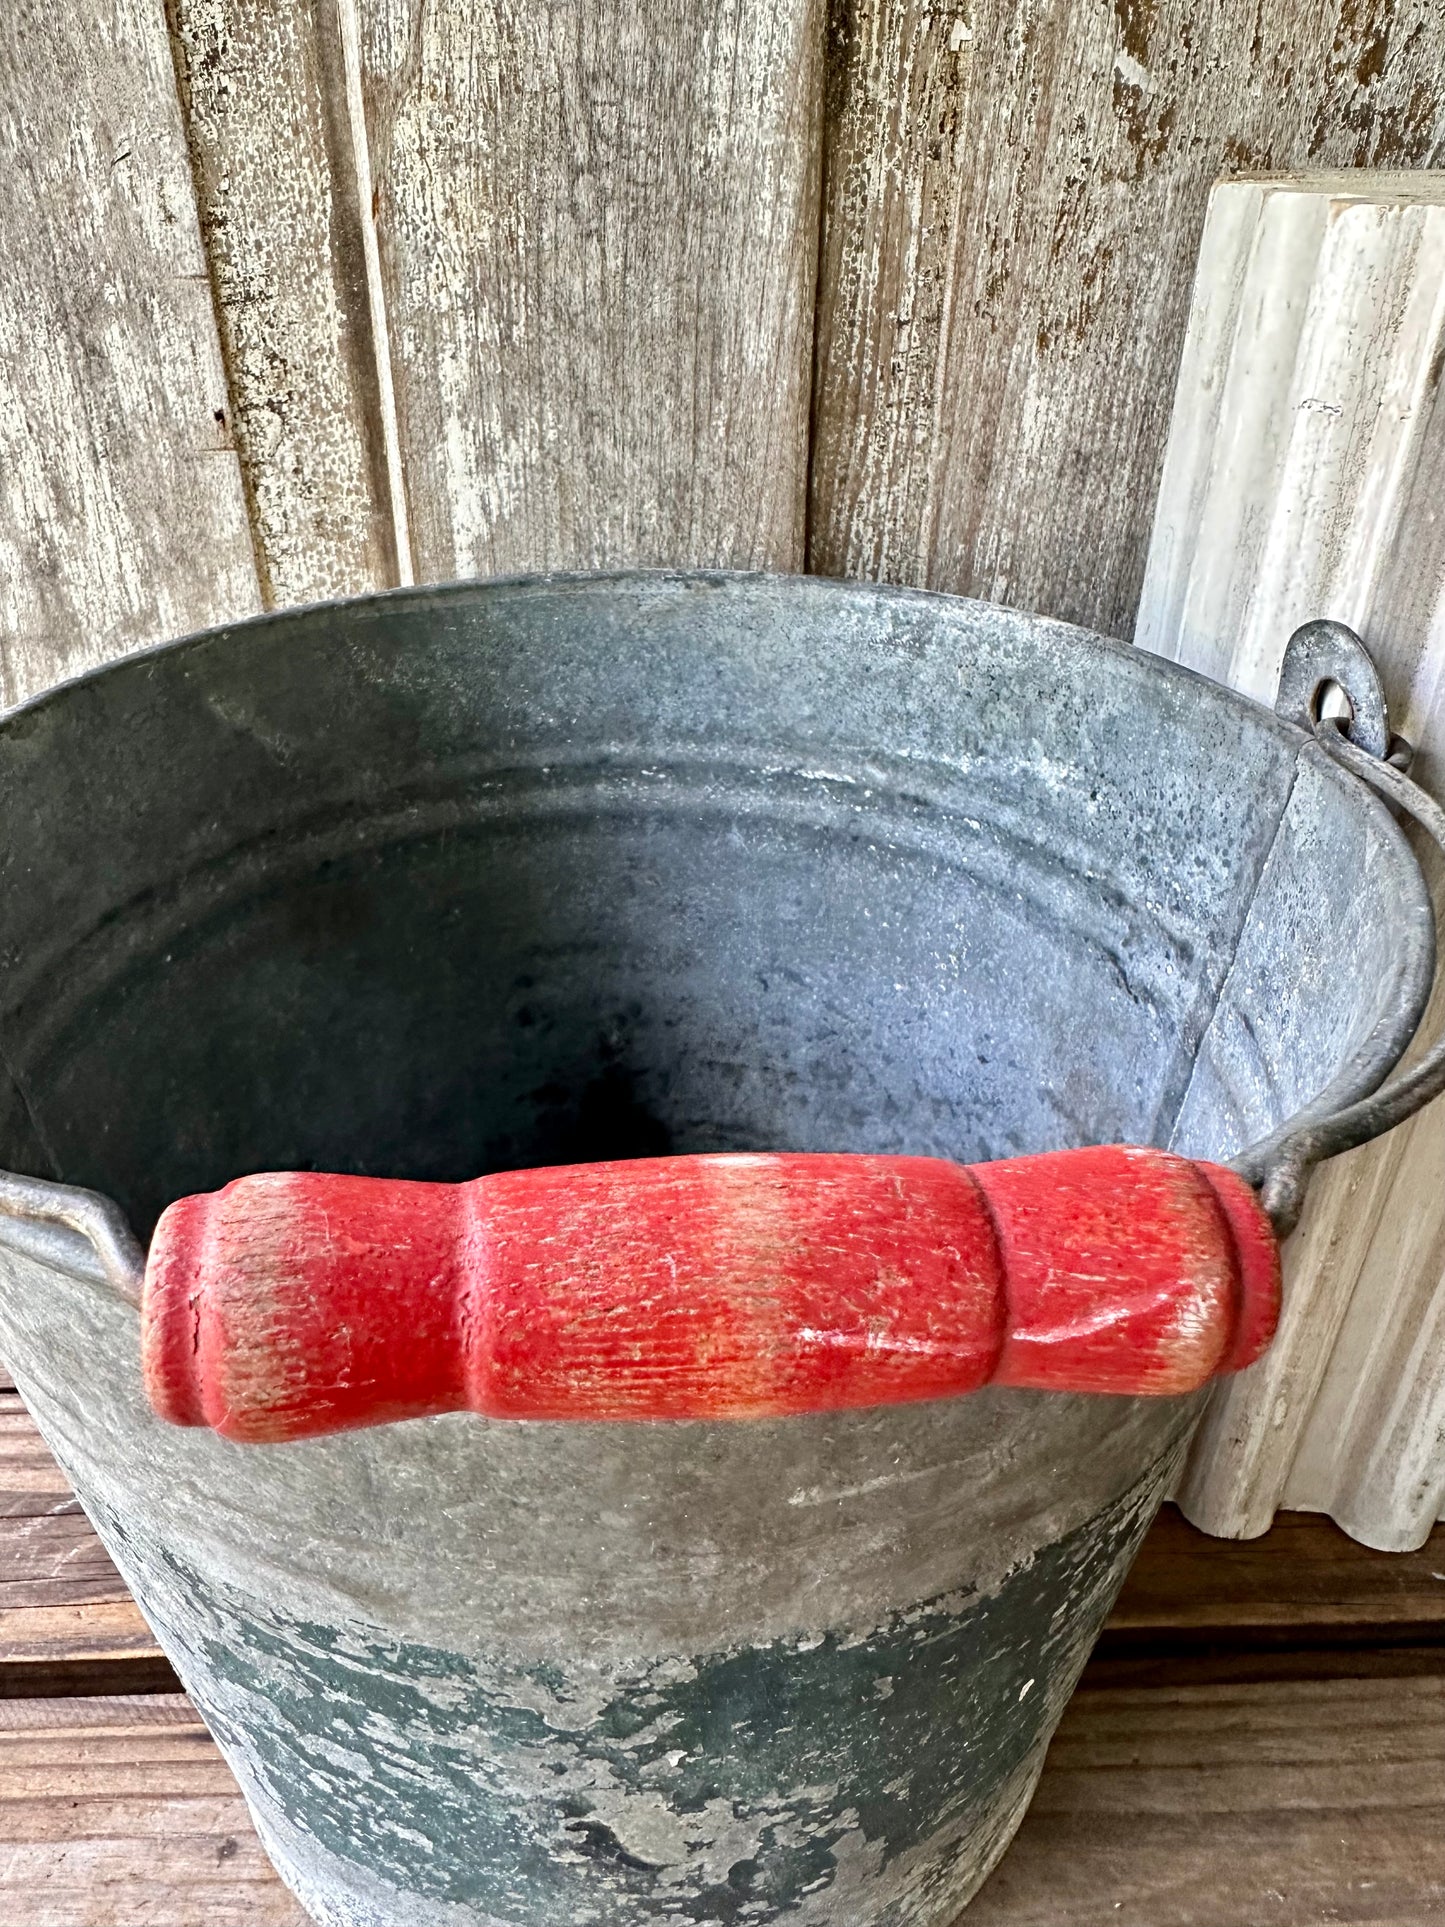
{"points": [[1326, 652], [119, 1257], [1316, 655]]}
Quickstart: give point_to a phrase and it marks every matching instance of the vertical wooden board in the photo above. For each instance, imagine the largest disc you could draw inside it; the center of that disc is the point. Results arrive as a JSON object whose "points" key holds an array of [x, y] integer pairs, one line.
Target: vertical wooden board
{"points": [[1014, 192], [1304, 477], [265, 96], [598, 239], [122, 516], [900, 74]]}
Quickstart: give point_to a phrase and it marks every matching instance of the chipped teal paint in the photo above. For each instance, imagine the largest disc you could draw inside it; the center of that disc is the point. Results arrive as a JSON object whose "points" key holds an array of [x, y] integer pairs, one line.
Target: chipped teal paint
{"points": [[712, 1791]]}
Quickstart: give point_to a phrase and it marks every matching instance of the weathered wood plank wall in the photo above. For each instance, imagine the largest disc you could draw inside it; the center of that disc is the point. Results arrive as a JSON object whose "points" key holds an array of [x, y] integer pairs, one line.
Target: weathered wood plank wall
{"points": [[1014, 194], [122, 516], [594, 248], [314, 298], [598, 238], [265, 98]]}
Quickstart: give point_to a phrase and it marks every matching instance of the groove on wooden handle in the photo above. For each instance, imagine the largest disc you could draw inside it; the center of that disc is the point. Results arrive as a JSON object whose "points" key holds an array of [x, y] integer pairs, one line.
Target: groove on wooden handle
{"points": [[296, 1303]]}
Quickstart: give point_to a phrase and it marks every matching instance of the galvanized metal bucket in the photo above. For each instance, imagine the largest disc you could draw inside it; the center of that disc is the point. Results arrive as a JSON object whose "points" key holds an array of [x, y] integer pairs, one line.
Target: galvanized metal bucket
{"points": [[495, 875]]}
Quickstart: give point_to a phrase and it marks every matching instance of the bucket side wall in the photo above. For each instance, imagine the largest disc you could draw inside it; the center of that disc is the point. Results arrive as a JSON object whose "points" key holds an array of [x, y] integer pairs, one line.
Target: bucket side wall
{"points": [[863, 1766]]}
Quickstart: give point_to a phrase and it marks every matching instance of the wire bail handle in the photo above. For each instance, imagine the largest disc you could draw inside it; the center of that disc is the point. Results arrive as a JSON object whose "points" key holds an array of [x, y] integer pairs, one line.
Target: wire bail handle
{"points": [[1318, 655]]}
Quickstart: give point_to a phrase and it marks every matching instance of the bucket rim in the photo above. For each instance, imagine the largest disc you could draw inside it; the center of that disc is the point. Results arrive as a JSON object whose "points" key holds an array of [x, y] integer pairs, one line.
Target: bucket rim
{"points": [[84, 1241], [460, 590]]}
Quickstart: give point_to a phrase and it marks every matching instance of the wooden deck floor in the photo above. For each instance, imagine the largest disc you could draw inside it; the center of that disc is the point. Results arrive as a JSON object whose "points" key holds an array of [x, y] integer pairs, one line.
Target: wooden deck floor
{"points": [[1259, 1741]]}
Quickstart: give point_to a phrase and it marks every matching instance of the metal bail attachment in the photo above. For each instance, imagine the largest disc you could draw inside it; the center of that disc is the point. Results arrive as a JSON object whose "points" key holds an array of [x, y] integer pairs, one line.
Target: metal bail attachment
{"points": [[1324, 653], [1317, 655]]}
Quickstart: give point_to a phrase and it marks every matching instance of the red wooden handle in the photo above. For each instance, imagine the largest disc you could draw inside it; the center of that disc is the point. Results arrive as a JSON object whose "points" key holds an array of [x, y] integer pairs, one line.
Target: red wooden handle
{"points": [[700, 1287]]}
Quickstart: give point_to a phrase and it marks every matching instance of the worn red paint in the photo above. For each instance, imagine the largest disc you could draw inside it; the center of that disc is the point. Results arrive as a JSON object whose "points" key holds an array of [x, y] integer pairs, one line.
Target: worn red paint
{"points": [[700, 1287]]}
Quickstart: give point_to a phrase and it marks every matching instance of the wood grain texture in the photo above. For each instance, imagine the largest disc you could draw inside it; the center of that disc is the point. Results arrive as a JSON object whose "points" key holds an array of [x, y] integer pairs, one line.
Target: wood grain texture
{"points": [[1014, 193], [49, 1554], [1304, 477], [120, 1812], [598, 238], [1304, 1583], [264, 92], [122, 515], [65, 1615], [1294, 1803]]}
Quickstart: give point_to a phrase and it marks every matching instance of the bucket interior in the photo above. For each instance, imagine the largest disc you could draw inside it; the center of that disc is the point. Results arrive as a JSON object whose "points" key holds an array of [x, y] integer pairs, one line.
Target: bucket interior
{"points": [[506, 875]]}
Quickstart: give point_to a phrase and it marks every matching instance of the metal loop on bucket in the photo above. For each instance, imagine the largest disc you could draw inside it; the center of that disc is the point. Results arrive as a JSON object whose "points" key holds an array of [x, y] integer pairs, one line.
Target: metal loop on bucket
{"points": [[103, 1223], [1280, 1167], [1322, 654]]}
